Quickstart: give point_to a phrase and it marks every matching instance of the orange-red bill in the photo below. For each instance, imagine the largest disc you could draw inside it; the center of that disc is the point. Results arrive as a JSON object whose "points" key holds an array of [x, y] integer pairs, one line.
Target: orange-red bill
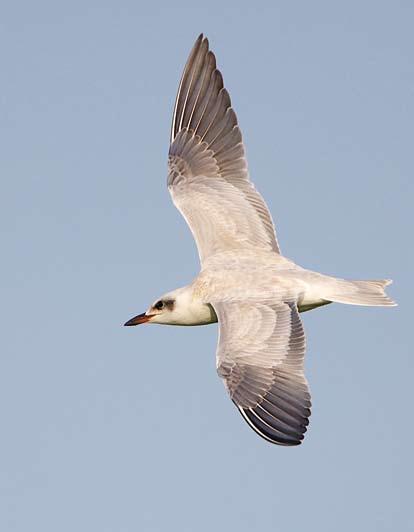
{"points": [[141, 318]]}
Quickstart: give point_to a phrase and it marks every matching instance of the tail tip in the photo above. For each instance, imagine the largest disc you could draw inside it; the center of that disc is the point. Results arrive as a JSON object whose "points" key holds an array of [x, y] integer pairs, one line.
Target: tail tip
{"points": [[392, 303]]}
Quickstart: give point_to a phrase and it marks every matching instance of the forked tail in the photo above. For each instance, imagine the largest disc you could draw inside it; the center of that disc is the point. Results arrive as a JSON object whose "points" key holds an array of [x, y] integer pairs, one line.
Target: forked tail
{"points": [[369, 293]]}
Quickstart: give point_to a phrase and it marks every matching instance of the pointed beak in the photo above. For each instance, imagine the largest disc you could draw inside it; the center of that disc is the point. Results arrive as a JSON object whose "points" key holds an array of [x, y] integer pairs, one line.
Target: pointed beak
{"points": [[141, 318]]}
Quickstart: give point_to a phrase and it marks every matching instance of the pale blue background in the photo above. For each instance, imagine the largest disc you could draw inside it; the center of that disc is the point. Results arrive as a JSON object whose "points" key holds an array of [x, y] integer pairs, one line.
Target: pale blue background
{"points": [[110, 429]]}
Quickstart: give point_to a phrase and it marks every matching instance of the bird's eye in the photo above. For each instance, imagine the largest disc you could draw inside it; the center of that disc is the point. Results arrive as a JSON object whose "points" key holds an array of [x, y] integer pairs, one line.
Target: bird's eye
{"points": [[159, 305]]}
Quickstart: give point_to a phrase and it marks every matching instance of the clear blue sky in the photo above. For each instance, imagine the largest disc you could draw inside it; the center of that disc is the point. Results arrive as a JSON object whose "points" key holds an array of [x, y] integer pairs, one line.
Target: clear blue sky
{"points": [[110, 429]]}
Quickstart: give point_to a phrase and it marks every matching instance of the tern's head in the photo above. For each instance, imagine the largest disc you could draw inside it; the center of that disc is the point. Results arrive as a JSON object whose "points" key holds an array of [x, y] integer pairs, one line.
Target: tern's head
{"points": [[177, 308], [163, 310]]}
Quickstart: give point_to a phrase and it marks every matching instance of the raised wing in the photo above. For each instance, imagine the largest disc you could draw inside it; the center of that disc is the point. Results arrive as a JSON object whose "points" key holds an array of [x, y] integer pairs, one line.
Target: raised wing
{"points": [[260, 358], [208, 177]]}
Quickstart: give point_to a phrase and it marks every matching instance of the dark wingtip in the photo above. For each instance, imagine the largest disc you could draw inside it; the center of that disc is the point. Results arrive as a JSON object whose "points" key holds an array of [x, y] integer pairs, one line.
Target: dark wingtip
{"points": [[268, 432]]}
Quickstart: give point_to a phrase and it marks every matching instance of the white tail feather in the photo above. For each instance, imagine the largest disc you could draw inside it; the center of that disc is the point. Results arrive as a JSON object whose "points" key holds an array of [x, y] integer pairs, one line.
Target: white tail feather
{"points": [[369, 293]]}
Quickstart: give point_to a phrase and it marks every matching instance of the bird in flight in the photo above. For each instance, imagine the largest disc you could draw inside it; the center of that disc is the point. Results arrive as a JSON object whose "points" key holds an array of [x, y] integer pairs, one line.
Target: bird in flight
{"points": [[245, 283]]}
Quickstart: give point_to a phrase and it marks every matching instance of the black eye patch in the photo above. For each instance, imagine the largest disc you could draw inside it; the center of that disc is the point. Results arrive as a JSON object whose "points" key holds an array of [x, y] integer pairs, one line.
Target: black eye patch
{"points": [[169, 303]]}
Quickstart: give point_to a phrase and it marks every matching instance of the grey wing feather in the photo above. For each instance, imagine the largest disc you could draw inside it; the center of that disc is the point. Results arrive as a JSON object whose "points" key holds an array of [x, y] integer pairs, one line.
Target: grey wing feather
{"points": [[260, 357], [206, 142]]}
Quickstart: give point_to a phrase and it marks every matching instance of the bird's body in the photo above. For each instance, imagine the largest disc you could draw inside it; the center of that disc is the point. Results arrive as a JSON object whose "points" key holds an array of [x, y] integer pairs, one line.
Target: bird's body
{"points": [[259, 276], [245, 283]]}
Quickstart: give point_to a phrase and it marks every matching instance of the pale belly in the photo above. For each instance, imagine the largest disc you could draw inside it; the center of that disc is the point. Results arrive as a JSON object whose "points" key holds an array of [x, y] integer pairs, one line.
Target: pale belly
{"points": [[260, 276]]}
